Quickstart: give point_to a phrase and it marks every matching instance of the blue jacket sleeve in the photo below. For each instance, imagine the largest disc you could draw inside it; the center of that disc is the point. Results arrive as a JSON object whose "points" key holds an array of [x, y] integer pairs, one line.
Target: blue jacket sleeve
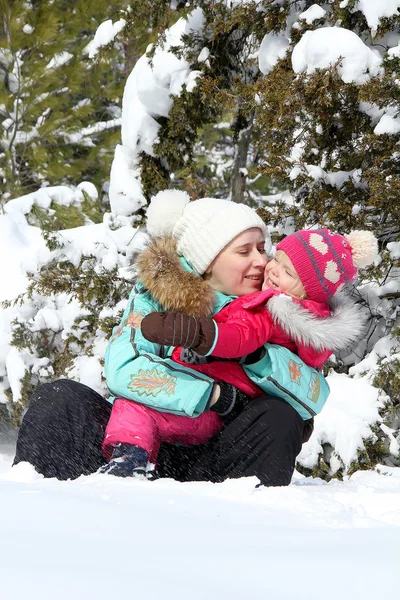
{"points": [[144, 372]]}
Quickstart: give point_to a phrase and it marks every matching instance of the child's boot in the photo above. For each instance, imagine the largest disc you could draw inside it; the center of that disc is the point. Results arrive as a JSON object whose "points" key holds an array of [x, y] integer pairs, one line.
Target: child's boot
{"points": [[127, 460]]}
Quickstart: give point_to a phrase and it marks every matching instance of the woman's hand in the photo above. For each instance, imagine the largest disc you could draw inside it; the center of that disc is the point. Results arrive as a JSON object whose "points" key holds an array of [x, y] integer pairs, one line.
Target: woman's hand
{"points": [[227, 401], [215, 395], [178, 329]]}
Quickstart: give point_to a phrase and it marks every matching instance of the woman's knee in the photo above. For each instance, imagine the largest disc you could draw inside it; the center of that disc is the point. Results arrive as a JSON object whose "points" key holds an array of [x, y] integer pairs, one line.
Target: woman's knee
{"points": [[64, 394], [55, 395], [277, 410]]}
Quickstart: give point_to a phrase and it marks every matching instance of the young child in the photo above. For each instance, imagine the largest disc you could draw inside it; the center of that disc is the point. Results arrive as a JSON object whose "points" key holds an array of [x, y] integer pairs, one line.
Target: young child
{"points": [[298, 308]]}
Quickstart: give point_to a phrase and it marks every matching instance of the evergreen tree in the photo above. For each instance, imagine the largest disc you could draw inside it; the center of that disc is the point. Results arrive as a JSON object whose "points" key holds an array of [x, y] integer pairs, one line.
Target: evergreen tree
{"points": [[60, 109], [207, 143]]}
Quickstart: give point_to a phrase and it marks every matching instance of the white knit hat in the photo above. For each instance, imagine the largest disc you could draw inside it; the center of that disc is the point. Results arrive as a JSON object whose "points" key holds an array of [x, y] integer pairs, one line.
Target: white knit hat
{"points": [[202, 228]]}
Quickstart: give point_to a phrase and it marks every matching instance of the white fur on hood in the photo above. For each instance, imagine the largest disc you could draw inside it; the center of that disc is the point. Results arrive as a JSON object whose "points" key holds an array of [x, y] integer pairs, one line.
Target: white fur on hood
{"points": [[340, 330]]}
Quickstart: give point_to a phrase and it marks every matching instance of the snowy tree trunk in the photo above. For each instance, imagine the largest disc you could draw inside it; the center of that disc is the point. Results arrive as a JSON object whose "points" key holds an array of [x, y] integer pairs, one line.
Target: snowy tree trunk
{"points": [[239, 174]]}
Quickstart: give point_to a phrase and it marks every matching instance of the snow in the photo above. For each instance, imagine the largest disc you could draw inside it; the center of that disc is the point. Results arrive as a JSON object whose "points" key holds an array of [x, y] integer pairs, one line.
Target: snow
{"points": [[345, 421], [89, 189], [383, 349], [59, 59], [147, 97], [394, 52], [323, 47], [334, 178], [374, 10], [83, 136], [394, 249], [15, 366], [273, 47], [16, 241], [88, 370], [105, 34], [101, 537], [312, 14], [112, 243], [204, 54], [388, 124], [43, 197]]}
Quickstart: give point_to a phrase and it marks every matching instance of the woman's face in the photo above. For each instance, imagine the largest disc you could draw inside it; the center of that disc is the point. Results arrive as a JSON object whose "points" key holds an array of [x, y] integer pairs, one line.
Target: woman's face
{"points": [[239, 267]]}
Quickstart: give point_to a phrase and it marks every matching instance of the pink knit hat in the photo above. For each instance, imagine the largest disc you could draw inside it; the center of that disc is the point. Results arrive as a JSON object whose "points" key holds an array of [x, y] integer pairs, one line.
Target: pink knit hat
{"points": [[325, 261]]}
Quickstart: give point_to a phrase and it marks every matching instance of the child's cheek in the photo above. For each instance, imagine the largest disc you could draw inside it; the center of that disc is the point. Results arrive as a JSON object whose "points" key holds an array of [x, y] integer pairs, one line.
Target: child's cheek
{"points": [[264, 285]]}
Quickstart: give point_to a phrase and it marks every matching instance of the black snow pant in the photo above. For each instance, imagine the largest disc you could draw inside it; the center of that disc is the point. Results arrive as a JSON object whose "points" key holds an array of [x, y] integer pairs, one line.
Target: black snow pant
{"points": [[63, 429]]}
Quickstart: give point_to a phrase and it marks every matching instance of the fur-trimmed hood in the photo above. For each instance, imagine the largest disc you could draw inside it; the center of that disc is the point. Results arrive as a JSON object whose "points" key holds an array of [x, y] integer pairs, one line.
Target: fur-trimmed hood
{"points": [[338, 331], [162, 273]]}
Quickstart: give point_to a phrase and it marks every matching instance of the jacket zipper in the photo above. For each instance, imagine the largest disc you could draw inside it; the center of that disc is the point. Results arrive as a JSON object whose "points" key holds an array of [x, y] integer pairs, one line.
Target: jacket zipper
{"points": [[309, 410]]}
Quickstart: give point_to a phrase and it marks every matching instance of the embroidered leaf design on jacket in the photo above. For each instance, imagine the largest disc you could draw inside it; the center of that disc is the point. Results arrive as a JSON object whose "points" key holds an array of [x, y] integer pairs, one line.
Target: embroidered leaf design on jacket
{"points": [[151, 383], [134, 319]]}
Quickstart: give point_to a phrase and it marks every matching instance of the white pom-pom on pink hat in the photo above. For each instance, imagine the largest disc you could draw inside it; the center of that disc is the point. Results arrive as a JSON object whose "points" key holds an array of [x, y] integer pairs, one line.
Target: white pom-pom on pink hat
{"points": [[364, 247]]}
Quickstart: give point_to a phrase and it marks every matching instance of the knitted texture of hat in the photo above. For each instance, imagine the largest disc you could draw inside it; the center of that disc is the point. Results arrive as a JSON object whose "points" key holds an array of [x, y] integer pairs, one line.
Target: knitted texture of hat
{"points": [[325, 261], [208, 225]]}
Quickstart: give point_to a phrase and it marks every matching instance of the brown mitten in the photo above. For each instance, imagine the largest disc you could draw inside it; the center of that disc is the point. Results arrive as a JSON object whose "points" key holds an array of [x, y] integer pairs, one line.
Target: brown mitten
{"points": [[178, 329]]}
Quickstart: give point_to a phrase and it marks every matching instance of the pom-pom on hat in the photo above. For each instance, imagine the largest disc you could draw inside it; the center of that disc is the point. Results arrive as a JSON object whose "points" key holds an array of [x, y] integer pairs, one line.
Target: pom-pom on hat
{"points": [[202, 228], [325, 261]]}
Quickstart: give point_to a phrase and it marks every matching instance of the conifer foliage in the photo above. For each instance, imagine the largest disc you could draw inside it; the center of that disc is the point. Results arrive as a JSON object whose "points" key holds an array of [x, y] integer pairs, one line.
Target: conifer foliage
{"points": [[59, 108]]}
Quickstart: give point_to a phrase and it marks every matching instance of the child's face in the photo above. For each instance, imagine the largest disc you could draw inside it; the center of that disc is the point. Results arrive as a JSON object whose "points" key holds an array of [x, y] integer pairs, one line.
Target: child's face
{"points": [[281, 275]]}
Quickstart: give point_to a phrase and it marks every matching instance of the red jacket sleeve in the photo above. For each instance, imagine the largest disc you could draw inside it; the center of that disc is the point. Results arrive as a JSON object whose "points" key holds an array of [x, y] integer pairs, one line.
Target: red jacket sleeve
{"points": [[242, 332], [312, 357]]}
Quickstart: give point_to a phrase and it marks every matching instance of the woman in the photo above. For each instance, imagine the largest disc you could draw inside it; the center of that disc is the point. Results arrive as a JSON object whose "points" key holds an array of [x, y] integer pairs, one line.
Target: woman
{"points": [[215, 252]]}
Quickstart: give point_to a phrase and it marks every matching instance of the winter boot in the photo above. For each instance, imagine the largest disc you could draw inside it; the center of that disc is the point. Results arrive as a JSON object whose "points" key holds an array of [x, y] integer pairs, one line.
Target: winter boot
{"points": [[127, 460]]}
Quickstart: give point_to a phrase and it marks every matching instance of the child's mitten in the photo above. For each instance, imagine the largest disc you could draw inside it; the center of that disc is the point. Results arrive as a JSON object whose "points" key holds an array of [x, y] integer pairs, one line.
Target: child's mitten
{"points": [[178, 329]]}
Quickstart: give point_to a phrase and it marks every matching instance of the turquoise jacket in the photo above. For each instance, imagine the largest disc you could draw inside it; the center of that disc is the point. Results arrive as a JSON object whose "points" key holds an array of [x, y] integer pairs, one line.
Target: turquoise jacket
{"points": [[142, 371]]}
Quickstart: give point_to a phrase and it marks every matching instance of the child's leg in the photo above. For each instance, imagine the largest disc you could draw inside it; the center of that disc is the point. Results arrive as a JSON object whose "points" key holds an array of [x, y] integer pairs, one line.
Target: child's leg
{"points": [[188, 431], [133, 424]]}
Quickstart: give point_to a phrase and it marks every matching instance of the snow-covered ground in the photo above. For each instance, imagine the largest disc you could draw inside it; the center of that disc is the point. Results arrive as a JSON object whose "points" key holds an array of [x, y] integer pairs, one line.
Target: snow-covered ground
{"points": [[100, 537]]}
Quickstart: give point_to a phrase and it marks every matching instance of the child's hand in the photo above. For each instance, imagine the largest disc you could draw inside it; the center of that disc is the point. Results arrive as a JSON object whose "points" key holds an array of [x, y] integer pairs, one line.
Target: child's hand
{"points": [[178, 329]]}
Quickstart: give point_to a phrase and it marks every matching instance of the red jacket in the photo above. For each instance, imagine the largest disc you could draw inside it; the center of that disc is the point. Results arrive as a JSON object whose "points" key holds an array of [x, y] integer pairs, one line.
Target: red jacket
{"points": [[245, 325]]}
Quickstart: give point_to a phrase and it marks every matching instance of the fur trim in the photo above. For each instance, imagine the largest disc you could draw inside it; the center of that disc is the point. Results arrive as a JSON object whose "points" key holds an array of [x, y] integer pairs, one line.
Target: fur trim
{"points": [[164, 210], [364, 247], [337, 332], [162, 274]]}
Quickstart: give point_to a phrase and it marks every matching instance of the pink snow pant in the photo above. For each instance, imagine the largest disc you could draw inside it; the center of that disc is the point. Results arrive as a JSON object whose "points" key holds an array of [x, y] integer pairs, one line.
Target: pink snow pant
{"points": [[133, 423]]}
